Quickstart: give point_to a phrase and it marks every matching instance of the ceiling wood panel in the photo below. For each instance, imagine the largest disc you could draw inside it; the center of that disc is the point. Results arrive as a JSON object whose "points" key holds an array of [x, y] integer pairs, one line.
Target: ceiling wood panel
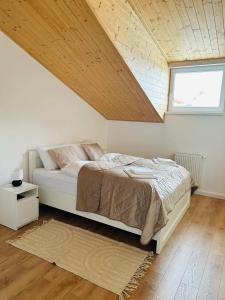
{"points": [[185, 29], [66, 38], [137, 48]]}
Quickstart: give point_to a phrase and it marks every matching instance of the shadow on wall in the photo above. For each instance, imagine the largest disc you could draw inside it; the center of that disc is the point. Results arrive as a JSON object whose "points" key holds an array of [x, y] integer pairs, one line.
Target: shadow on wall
{"points": [[25, 165]]}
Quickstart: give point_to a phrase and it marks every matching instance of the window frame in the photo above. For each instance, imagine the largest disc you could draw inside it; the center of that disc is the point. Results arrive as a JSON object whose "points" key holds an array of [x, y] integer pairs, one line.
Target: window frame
{"points": [[196, 110]]}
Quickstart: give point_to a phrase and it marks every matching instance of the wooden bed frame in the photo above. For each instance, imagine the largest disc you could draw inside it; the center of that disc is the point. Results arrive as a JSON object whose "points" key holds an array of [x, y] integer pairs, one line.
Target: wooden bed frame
{"points": [[67, 202]]}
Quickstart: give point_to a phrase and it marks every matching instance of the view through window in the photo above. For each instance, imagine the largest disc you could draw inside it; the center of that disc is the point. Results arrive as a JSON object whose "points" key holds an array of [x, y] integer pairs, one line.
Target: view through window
{"points": [[197, 89]]}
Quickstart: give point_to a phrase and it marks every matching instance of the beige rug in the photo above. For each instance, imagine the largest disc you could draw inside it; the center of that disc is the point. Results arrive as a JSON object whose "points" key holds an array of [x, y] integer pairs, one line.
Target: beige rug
{"points": [[109, 264]]}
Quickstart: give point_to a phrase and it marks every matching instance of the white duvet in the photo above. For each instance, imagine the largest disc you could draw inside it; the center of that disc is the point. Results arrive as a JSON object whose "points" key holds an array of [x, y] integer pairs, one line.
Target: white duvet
{"points": [[73, 169]]}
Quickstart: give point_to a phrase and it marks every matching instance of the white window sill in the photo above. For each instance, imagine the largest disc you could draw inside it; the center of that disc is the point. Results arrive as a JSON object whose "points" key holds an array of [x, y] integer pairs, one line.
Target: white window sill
{"points": [[202, 113]]}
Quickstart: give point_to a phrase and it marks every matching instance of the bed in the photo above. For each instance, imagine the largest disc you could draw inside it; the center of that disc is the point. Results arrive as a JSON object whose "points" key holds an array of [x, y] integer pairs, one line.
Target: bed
{"points": [[59, 190]]}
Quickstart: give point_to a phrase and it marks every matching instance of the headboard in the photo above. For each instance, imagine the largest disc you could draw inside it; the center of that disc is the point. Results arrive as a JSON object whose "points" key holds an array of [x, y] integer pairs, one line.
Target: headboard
{"points": [[34, 162]]}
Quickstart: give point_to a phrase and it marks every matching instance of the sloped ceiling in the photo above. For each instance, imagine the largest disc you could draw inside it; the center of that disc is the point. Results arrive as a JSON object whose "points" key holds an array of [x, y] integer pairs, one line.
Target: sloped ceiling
{"points": [[137, 48], [115, 53], [66, 38], [185, 29]]}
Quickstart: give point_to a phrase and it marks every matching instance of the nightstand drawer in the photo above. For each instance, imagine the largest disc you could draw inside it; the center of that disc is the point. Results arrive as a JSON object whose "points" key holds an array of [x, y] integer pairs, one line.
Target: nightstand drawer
{"points": [[27, 210]]}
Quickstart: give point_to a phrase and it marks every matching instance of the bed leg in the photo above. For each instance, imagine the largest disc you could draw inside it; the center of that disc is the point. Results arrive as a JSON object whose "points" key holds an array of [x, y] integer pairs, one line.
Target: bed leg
{"points": [[158, 246]]}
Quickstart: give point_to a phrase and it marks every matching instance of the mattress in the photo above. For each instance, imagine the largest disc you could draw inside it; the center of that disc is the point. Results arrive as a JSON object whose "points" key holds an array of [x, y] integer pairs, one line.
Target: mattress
{"points": [[55, 180]]}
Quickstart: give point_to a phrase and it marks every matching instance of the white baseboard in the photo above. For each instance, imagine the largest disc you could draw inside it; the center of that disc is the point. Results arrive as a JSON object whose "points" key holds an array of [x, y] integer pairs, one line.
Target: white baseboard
{"points": [[210, 194]]}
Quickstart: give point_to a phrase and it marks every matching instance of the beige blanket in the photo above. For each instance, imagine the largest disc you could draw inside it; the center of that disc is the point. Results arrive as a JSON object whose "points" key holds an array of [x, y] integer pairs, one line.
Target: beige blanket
{"points": [[105, 188]]}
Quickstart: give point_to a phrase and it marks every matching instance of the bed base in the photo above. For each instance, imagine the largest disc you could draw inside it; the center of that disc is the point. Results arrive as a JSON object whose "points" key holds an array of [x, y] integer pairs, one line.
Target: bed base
{"points": [[67, 203]]}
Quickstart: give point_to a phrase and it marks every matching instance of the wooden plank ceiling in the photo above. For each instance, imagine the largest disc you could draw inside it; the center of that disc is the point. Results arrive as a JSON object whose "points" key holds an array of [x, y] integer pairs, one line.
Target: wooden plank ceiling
{"points": [[185, 29], [137, 48], [66, 38]]}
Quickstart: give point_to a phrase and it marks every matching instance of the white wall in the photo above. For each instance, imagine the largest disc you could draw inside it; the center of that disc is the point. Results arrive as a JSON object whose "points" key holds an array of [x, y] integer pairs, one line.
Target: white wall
{"points": [[185, 133], [36, 109]]}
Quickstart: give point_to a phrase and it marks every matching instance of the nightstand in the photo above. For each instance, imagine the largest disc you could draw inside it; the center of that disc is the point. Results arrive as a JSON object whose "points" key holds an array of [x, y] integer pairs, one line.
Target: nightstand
{"points": [[18, 205]]}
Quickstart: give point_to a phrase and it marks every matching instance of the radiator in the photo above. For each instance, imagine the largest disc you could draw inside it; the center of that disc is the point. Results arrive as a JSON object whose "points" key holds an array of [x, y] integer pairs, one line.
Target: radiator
{"points": [[192, 162]]}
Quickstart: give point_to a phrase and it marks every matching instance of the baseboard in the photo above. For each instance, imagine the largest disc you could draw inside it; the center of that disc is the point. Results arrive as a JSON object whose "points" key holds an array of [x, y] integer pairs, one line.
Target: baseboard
{"points": [[210, 194]]}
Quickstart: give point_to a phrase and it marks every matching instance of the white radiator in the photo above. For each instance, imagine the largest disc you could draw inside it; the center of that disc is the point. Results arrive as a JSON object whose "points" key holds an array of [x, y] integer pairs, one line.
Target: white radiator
{"points": [[192, 162]]}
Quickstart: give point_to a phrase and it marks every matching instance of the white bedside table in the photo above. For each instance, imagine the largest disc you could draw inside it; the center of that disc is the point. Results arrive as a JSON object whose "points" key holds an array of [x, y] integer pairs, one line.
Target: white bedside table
{"points": [[18, 205]]}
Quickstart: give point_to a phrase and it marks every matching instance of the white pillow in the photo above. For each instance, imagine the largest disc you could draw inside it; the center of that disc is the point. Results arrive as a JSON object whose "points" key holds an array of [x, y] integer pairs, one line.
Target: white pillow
{"points": [[80, 152]]}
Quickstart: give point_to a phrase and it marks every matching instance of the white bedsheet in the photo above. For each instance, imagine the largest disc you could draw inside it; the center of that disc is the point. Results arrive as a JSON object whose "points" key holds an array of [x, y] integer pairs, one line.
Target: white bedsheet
{"points": [[55, 180]]}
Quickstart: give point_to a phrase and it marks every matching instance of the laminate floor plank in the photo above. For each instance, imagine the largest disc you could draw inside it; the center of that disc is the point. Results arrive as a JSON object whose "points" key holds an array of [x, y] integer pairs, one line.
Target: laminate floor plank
{"points": [[186, 292]]}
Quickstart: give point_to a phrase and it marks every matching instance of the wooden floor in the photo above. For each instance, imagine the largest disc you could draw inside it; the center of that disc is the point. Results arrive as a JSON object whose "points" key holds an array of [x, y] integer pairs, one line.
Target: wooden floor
{"points": [[191, 266]]}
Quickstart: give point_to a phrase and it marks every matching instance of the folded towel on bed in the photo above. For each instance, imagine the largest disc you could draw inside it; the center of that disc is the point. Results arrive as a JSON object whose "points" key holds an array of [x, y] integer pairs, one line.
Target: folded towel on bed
{"points": [[165, 161], [139, 172]]}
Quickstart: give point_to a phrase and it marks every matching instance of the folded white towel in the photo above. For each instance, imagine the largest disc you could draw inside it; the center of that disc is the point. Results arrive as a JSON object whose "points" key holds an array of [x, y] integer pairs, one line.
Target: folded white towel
{"points": [[140, 173], [139, 170], [165, 161]]}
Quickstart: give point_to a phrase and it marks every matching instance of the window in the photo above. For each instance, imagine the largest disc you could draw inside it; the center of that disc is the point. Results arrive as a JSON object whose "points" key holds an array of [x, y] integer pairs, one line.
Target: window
{"points": [[197, 89]]}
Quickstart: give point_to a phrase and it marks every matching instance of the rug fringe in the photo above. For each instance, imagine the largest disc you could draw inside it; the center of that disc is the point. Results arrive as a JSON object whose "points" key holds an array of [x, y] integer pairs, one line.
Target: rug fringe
{"points": [[28, 231], [135, 280]]}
